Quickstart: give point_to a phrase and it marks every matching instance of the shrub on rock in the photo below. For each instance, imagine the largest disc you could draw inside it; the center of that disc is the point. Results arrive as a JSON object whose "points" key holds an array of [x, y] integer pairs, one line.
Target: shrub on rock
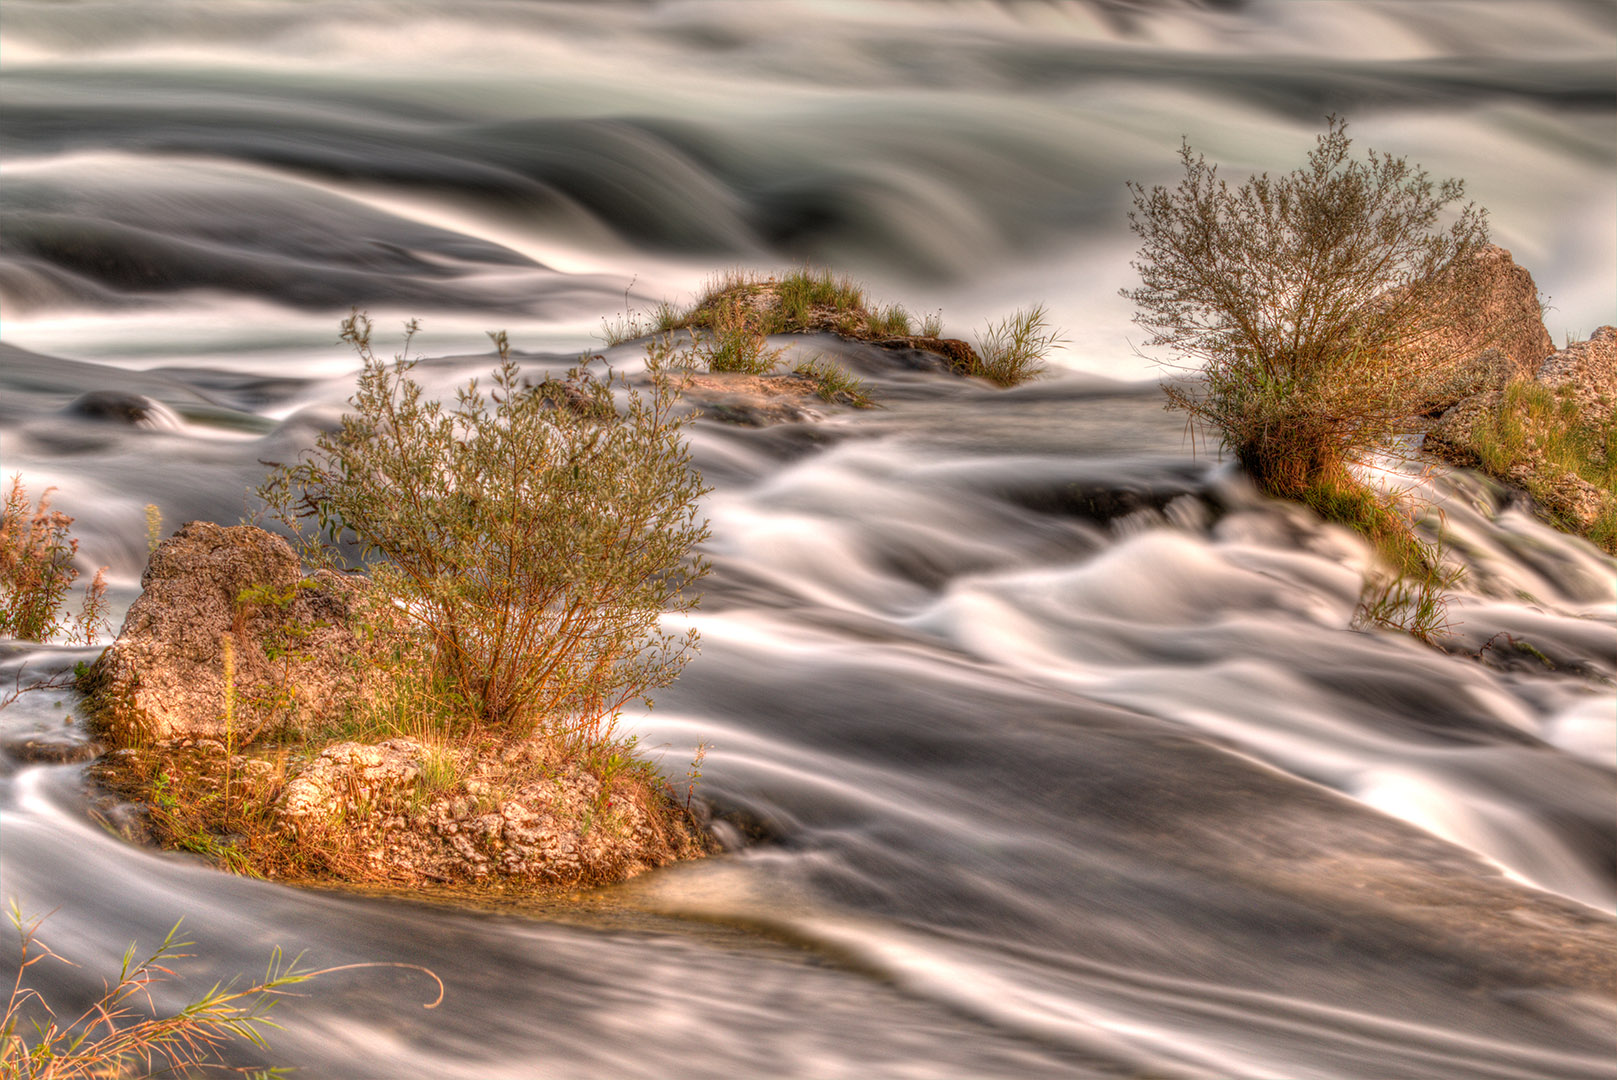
{"points": [[533, 536]]}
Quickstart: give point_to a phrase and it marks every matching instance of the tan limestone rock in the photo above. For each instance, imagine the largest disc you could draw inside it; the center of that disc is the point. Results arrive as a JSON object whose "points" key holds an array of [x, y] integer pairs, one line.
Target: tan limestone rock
{"points": [[217, 599]]}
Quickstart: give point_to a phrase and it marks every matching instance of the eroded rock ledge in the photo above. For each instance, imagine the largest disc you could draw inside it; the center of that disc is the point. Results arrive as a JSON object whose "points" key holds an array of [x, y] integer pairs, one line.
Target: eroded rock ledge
{"points": [[234, 700]]}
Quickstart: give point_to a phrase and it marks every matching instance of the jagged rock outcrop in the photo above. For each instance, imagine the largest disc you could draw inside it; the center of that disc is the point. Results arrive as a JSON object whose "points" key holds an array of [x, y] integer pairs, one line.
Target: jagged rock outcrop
{"points": [[229, 629], [1498, 330]]}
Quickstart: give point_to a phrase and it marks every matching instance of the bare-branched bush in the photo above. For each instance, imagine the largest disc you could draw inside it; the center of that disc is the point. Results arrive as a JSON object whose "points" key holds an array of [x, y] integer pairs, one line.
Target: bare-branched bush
{"points": [[37, 572], [532, 535], [1315, 306]]}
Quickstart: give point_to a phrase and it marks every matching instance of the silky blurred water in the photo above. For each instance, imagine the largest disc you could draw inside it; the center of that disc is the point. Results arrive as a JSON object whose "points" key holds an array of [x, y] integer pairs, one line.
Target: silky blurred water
{"points": [[1054, 747]]}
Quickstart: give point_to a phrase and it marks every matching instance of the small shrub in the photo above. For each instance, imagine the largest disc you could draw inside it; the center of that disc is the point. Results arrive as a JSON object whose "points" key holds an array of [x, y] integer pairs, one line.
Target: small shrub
{"points": [[1013, 351], [37, 572], [1312, 305], [532, 536]]}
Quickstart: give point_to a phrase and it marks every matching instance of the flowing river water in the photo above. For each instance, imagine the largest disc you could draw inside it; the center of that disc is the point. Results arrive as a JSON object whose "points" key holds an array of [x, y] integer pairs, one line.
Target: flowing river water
{"points": [[1043, 747]]}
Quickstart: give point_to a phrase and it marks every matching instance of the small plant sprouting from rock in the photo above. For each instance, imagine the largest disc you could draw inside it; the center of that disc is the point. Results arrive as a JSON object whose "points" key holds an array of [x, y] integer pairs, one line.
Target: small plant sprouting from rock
{"points": [[693, 776], [532, 535], [37, 573], [154, 527]]}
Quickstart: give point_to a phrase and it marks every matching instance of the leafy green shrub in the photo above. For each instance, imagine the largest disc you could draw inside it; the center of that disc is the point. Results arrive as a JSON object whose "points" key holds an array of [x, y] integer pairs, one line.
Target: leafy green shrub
{"points": [[532, 536], [1313, 305], [37, 572], [1013, 351]]}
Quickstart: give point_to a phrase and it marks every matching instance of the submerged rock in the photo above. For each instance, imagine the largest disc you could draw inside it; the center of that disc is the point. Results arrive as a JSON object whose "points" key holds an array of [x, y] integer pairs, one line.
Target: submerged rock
{"points": [[228, 631], [121, 407], [752, 400]]}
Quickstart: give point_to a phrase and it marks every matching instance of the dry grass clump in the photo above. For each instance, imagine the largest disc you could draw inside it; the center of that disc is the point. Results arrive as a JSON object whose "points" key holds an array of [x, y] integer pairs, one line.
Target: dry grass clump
{"points": [[1408, 589], [36, 573]]}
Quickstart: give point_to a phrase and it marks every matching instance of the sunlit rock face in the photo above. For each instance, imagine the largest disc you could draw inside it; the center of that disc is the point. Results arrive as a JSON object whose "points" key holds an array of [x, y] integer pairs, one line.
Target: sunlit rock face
{"points": [[229, 632]]}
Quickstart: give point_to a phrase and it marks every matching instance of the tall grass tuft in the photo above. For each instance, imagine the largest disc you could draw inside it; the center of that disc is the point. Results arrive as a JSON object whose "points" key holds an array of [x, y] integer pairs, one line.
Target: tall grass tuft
{"points": [[1013, 351], [121, 1034], [833, 383], [736, 339]]}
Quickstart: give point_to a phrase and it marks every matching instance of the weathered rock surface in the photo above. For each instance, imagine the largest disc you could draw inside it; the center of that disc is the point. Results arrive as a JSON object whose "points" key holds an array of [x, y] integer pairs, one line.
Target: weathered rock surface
{"points": [[1497, 333], [350, 776], [515, 814], [1589, 368], [292, 639]]}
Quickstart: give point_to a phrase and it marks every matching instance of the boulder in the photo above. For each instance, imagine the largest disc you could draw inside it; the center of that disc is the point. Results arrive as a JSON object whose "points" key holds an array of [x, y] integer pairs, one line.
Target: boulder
{"points": [[1498, 330], [230, 633]]}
